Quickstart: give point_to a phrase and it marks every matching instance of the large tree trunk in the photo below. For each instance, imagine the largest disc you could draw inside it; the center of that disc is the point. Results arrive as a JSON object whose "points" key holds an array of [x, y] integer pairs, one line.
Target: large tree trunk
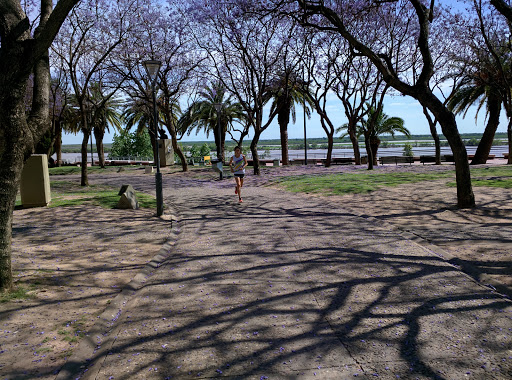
{"points": [[12, 149], [485, 144], [18, 135], [465, 196], [98, 135]]}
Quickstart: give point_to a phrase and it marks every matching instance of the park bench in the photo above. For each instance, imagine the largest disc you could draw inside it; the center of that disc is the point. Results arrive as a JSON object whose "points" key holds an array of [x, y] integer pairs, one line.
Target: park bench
{"points": [[342, 160], [444, 158], [428, 159], [396, 160]]}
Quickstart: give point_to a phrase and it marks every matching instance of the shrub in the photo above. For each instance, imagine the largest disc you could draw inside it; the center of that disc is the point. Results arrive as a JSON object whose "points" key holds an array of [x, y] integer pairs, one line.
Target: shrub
{"points": [[408, 150], [131, 144]]}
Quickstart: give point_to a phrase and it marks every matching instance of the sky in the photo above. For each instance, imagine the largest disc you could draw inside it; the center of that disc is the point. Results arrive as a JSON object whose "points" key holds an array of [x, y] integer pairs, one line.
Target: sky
{"points": [[405, 107]]}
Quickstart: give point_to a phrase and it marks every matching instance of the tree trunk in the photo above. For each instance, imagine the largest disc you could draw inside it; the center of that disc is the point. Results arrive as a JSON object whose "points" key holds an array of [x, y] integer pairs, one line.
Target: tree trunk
{"points": [[329, 131], [283, 119], [58, 143], [244, 133], [368, 151], [176, 147], [374, 146], [21, 55], [330, 145], [284, 144], [84, 179], [12, 149], [485, 144], [465, 196], [98, 135], [355, 143], [174, 140], [435, 136], [254, 151]]}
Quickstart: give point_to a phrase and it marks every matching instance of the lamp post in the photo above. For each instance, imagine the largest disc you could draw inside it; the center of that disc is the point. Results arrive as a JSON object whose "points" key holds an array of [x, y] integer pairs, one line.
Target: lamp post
{"points": [[218, 107], [304, 108], [152, 68]]}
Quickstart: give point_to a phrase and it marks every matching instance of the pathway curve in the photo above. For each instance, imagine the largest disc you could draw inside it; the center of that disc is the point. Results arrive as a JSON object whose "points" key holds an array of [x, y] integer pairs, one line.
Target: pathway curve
{"points": [[284, 286]]}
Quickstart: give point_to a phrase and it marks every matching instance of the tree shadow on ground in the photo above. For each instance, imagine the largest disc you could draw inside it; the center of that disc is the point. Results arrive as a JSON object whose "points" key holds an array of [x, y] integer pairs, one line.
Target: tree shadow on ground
{"points": [[281, 287]]}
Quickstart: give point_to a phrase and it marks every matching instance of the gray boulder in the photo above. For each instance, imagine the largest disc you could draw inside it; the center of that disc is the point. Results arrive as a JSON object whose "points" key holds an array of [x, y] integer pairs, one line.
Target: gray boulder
{"points": [[128, 198]]}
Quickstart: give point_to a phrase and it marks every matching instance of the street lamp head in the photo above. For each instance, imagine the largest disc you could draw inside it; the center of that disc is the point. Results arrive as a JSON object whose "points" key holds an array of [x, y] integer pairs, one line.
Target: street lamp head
{"points": [[218, 106], [152, 68]]}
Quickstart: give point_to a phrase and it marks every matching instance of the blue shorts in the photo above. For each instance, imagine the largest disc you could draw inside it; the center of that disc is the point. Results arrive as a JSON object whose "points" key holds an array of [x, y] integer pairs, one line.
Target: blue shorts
{"points": [[239, 175]]}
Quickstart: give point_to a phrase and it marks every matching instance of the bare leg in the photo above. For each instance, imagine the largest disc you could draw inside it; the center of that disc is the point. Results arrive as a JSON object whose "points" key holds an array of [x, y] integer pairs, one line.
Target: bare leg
{"points": [[238, 187]]}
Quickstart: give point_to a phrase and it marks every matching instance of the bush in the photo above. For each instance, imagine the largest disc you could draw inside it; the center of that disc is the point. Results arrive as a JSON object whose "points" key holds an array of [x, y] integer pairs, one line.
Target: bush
{"points": [[128, 144], [472, 142], [408, 150]]}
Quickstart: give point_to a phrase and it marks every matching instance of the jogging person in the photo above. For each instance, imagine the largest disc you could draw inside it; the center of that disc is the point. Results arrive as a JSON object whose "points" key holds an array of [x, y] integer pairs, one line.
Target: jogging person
{"points": [[237, 165]]}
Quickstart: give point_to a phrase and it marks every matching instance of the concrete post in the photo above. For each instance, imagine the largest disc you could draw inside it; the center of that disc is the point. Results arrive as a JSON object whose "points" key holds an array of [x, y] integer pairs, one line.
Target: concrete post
{"points": [[166, 152], [35, 182]]}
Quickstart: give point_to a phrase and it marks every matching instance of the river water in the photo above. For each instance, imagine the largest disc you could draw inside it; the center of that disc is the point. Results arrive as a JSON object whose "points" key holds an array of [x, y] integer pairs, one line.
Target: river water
{"points": [[322, 153]]}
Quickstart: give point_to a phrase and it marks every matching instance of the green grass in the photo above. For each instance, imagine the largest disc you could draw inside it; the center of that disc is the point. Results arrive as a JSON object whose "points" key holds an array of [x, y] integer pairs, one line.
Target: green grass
{"points": [[43, 350], [363, 182], [66, 193], [73, 330], [64, 170], [19, 293], [368, 181], [499, 176]]}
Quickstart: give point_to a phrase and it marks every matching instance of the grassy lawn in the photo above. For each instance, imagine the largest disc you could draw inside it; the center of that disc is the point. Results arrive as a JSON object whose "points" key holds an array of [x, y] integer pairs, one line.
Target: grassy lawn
{"points": [[64, 170], [367, 181], [66, 193], [493, 177]]}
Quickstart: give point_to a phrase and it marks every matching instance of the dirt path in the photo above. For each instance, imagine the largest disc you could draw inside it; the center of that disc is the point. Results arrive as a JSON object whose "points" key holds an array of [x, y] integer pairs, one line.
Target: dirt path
{"points": [[76, 260]]}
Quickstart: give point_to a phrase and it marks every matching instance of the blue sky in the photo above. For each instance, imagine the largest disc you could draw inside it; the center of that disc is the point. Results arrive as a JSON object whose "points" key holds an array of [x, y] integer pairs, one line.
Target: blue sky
{"points": [[407, 108]]}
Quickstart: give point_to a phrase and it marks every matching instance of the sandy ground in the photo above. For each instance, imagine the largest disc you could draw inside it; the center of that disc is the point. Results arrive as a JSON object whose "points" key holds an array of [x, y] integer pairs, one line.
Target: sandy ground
{"points": [[76, 260]]}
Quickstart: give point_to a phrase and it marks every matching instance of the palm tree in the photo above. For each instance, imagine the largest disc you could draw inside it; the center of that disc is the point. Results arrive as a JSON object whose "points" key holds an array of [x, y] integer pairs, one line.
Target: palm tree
{"points": [[105, 112], [202, 115], [480, 88], [138, 113], [382, 124], [286, 90]]}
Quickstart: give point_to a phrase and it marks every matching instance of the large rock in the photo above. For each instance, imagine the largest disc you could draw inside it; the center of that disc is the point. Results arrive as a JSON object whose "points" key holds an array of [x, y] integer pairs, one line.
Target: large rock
{"points": [[128, 198]]}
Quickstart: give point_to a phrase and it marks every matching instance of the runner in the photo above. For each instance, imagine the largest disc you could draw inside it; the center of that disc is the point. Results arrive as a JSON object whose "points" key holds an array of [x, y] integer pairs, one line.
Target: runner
{"points": [[237, 165]]}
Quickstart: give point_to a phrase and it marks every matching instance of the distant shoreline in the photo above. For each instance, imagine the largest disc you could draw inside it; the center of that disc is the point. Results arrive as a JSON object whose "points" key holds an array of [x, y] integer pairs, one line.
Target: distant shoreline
{"points": [[270, 143]]}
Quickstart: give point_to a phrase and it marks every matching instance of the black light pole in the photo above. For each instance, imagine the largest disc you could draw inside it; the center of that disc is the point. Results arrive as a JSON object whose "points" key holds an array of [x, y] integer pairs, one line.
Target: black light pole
{"points": [[304, 107], [152, 68], [218, 107]]}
